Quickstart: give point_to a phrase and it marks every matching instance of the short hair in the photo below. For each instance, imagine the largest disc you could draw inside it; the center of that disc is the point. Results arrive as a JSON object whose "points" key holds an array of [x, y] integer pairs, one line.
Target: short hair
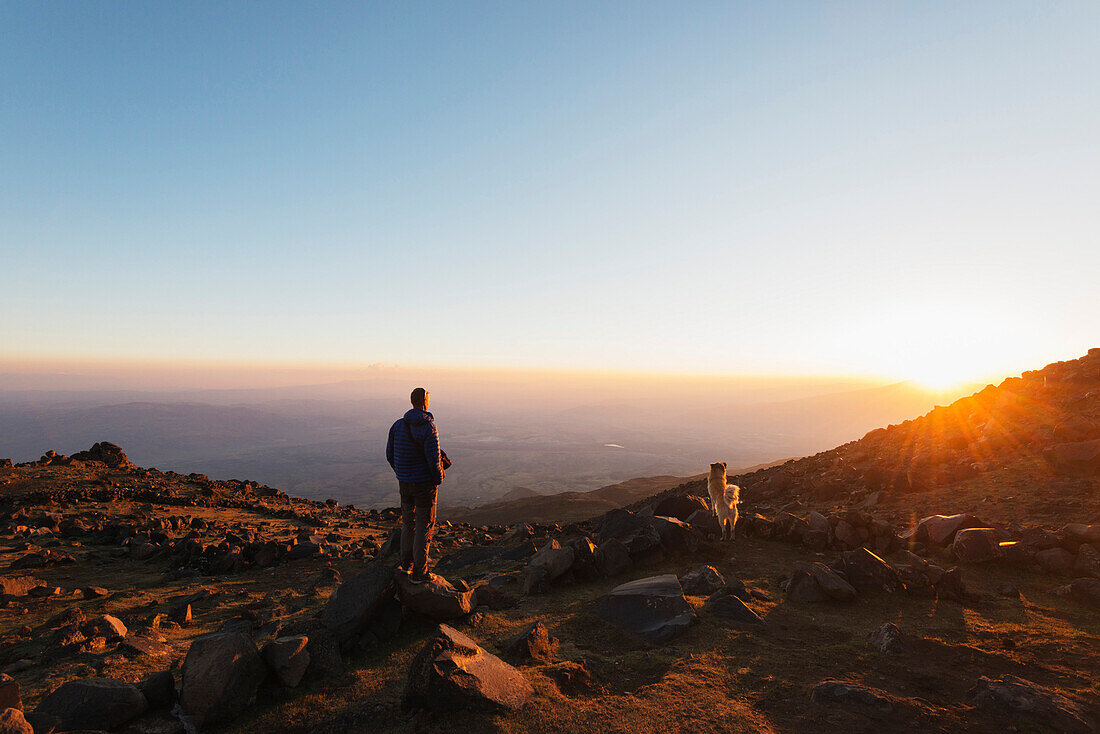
{"points": [[418, 396]]}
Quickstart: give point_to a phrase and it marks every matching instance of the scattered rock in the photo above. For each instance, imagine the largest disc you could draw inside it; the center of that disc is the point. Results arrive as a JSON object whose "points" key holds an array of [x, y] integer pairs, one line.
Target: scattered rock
{"points": [[107, 626], [939, 530], [220, 676], [159, 690], [1079, 458], [703, 581], [12, 722], [887, 638], [831, 583], [951, 585], [681, 506], [354, 601], [181, 615], [324, 655], [724, 604], [1088, 561], [288, 658], [139, 645], [435, 598], [829, 691], [976, 545], [802, 588], [653, 609], [105, 453], [453, 672], [93, 703], [1058, 561], [1018, 696], [553, 559], [533, 643], [705, 521], [612, 558], [634, 531], [19, 585], [867, 572]]}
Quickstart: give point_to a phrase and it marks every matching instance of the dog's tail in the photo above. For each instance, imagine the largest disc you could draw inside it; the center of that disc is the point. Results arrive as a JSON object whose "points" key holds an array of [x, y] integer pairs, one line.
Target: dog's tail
{"points": [[733, 495]]}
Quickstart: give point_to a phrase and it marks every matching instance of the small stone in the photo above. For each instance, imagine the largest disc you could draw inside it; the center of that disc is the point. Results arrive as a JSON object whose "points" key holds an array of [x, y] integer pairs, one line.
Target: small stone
{"points": [[533, 643], [887, 638], [288, 658], [12, 722], [94, 703], [703, 581]]}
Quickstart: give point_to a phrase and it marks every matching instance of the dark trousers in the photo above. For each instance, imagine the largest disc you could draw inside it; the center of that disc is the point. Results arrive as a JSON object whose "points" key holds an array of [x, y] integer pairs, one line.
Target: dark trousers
{"points": [[417, 524]]}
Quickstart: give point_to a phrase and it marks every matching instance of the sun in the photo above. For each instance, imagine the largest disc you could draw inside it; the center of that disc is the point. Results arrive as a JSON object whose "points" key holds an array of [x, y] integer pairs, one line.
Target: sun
{"points": [[938, 380]]}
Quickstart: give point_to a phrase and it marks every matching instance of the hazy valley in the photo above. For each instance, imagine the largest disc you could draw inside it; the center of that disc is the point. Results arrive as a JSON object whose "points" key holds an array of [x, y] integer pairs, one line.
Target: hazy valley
{"points": [[322, 441]]}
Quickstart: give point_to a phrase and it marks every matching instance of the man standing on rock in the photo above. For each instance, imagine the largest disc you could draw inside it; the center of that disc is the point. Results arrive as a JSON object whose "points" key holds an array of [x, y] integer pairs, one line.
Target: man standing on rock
{"points": [[413, 452]]}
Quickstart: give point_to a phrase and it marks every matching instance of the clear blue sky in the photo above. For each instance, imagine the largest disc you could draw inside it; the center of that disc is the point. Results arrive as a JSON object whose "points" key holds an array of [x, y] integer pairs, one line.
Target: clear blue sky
{"points": [[885, 188]]}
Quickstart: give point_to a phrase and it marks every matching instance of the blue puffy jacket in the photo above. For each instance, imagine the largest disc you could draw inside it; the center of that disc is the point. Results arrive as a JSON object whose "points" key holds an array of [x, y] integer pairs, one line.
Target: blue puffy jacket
{"points": [[410, 462]]}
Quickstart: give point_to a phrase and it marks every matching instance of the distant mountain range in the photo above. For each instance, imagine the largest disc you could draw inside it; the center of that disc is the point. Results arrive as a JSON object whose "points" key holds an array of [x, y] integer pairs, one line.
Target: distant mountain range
{"points": [[328, 440]]}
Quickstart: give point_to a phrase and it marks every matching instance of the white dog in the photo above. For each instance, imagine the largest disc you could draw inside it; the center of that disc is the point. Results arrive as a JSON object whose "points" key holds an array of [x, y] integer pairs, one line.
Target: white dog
{"points": [[723, 498]]}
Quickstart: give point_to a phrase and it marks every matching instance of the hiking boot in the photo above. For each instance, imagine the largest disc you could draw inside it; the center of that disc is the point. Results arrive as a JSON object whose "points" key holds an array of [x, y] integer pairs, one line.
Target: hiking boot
{"points": [[419, 577]]}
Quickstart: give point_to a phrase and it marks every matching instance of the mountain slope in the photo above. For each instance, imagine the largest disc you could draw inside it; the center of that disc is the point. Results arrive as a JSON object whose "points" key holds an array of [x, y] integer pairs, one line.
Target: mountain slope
{"points": [[1026, 449]]}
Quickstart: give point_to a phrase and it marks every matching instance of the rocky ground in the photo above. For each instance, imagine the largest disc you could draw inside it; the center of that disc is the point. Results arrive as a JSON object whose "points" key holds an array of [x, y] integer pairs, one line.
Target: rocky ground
{"points": [[141, 601]]}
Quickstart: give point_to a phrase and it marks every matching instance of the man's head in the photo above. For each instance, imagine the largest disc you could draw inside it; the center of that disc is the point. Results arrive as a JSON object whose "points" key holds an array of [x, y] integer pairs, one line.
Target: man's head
{"points": [[420, 398]]}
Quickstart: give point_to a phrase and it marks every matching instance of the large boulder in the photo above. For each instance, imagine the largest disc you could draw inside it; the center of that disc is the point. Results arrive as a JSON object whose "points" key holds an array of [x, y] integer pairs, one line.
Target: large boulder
{"points": [[976, 545], [288, 658], [159, 689], [350, 607], [612, 558], [653, 609], [584, 559], [107, 626], [831, 583], [802, 588], [12, 722], [453, 672], [107, 453], [1079, 459], [1016, 696], [532, 643], [835, 691], [725, 605], [676, 535], [1056, 560], [1081, 533], [93, 703], [553, 559], [866, 571], [680, 506], [939, 530], [1088, 561], [435, 598], [19, 585], [705, 522], [703, 581], [634, 531], [220, 676]]}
